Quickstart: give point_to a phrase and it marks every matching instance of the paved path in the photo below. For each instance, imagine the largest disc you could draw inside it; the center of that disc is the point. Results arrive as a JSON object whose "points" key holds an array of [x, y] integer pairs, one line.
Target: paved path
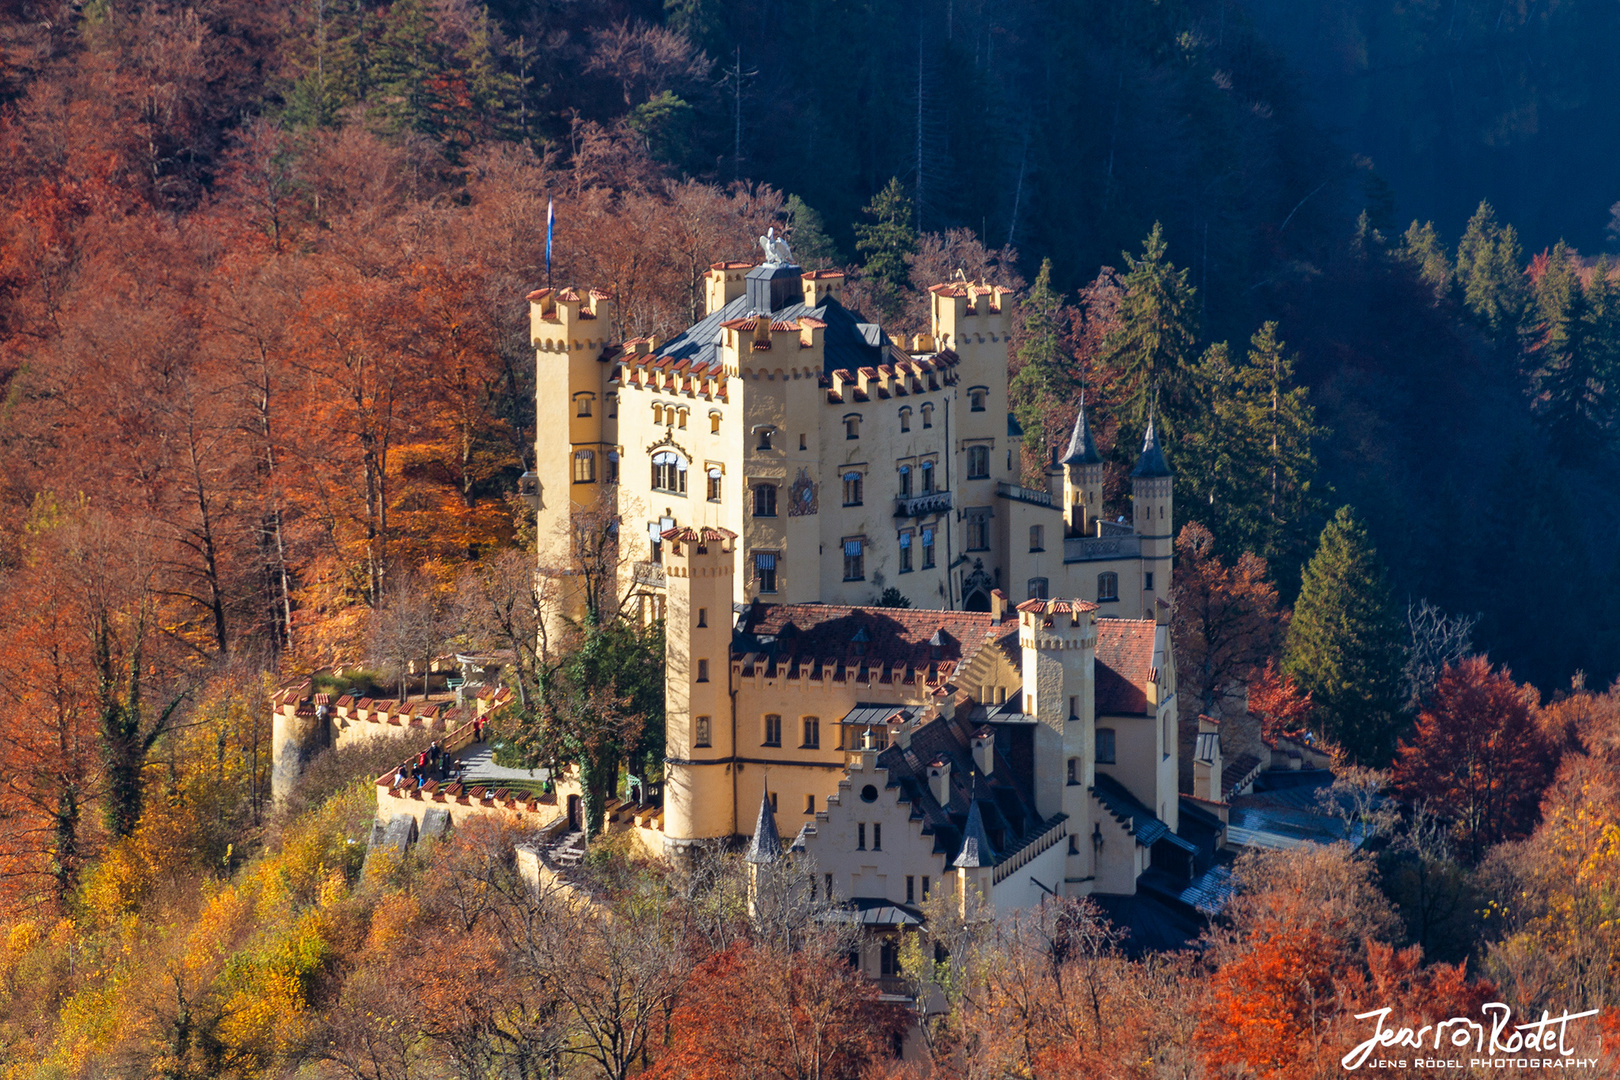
{"points": [[479, 761]]}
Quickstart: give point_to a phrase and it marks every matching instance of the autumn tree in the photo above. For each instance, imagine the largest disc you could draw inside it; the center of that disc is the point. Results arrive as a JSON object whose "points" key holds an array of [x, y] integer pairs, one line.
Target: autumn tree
{"points": [[761, 1010], [1225, 621], [1477, 757]]}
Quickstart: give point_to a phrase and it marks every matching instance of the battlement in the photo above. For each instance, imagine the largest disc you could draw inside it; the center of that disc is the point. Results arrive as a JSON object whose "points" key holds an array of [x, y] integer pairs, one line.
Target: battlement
{"points": [[556, 316]]}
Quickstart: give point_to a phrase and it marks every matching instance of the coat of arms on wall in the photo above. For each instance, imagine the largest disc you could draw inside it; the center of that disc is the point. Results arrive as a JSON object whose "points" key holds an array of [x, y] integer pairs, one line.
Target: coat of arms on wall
{"points": [[802, 495]]}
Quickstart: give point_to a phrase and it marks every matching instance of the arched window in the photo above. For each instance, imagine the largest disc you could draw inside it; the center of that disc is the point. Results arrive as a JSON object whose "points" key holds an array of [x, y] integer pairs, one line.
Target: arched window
{"points": [[714, 423], [905, 418], [585, 466], [714, 483], [669, 473], [681, 417], [1105, 746], [658, 413], [1107, 586], [852, 426], [582, 404], [928, 416], [976, 398]]}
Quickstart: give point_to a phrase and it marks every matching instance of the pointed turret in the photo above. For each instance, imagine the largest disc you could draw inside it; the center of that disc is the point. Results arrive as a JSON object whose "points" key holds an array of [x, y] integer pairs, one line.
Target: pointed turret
{"points": [[1082, 447], [977, 851], [1151, 463], [1082, 477], [766, 846]]}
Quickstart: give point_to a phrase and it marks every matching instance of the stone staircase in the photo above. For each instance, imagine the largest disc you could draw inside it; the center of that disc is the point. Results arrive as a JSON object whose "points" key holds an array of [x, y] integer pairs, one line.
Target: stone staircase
{"points": [[567, 850]]}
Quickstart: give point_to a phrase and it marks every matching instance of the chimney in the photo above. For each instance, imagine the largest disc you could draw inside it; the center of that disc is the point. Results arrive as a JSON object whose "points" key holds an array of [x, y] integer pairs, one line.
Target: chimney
{"points": [[998, 607], [939, 780], [984, 751]]}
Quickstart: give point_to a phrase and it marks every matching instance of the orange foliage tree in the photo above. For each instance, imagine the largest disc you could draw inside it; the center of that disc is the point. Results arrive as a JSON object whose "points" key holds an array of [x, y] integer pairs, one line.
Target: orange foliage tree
{"points": [[1477, 756], [757, 1011]]}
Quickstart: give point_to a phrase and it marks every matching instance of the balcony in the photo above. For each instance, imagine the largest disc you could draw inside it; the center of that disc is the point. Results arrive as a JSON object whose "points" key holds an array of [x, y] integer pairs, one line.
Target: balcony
{"points": [[649, 575], [1033, 496], [1089, 548], [934, 502]]}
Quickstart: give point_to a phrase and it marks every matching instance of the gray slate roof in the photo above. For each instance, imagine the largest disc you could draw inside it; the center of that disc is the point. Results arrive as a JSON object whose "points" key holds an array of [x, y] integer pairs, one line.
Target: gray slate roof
{"points": [[1082, 447], [766, 846], [1151, 463], [850, 341]]}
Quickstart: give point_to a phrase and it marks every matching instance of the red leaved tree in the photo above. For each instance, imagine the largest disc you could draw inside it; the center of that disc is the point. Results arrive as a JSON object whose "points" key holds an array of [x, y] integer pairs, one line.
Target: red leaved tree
{"points": [[1477, 757], [755, 1012]]}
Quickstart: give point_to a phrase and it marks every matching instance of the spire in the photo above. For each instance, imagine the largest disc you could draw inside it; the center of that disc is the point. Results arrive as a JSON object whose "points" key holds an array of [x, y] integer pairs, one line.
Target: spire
{"points": [[1082, 447], [976, 847], [1152, 462], [766, 846]]}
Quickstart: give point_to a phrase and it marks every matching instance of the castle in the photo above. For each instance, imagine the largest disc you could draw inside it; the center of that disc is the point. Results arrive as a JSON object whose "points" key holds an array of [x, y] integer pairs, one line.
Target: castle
{"points": [[774, 470], [845, 462]]}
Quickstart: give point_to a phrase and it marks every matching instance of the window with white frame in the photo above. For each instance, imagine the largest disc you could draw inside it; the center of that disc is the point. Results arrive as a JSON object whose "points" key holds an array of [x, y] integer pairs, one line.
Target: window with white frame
{"points": [[669, 473]]}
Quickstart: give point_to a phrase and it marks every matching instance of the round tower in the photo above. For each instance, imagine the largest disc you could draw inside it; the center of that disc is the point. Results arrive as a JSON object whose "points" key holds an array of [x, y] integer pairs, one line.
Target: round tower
{"points": [[1152, 516], [699, 566], [1082, 478]]}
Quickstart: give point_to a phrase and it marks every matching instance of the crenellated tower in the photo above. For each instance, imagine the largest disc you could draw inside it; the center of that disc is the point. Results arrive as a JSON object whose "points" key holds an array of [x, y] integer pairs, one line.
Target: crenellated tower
{"points": [[698, 740]]}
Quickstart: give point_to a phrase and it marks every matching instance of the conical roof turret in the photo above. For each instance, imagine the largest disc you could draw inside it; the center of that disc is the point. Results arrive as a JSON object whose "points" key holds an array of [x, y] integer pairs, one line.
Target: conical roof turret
{"points": [[1082, 447], [766, 846], [976, 847], [1151, 463]]}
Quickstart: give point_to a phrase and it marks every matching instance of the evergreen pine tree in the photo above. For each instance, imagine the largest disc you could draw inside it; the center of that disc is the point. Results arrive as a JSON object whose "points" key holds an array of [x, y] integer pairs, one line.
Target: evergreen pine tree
{"points": [[1248, 466], [886, 243], [812, 247], [1282, 426], [1566, 364], [1044, 383], [1345, 642], [1151, 349], [1420, 249], [1490, 274]]}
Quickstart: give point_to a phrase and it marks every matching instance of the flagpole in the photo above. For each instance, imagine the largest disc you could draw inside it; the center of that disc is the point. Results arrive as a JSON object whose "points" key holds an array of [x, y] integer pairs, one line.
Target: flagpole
{"points": [[551, 221]]}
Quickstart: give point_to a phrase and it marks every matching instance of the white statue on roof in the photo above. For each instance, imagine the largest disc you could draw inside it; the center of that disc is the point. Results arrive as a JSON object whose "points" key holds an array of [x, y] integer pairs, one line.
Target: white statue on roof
{"points": [[776, 248]]}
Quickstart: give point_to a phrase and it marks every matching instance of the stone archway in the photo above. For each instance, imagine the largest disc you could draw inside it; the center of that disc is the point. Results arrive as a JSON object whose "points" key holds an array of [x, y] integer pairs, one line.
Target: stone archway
{"points": [[976, 590]]}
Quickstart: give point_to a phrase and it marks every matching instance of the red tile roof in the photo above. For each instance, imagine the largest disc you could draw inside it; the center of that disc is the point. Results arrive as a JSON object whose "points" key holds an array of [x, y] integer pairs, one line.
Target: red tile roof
{"points": [[1124, 665], [1056, 607]]}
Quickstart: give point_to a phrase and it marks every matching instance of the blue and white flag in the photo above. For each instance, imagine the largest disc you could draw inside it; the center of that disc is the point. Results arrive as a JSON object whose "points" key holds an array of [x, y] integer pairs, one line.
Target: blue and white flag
{"points": [[551, 223]]}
